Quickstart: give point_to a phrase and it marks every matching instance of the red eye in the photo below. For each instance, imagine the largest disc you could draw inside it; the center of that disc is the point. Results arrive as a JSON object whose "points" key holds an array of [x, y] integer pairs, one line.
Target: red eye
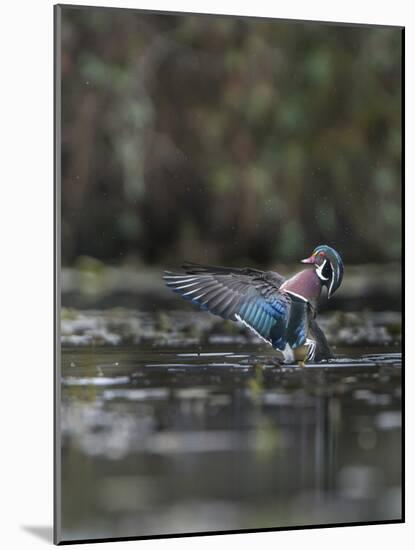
{"points": [[321, 253]]}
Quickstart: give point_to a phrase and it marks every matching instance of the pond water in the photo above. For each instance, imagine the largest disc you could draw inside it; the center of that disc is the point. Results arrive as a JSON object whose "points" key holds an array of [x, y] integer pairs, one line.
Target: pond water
{"points": [[188, 438]]}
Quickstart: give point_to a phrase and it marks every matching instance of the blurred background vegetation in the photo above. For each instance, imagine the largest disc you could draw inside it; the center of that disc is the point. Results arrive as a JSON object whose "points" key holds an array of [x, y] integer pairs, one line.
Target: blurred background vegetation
{"points": [[228, 140]]}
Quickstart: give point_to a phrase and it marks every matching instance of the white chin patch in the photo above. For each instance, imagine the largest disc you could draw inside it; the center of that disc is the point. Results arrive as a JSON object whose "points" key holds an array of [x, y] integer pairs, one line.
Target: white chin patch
{"points": [[319, 270]]}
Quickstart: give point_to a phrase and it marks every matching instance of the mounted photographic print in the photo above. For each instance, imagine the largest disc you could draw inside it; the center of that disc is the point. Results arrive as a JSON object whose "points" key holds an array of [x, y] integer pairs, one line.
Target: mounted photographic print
{"points": [[228, 274]]}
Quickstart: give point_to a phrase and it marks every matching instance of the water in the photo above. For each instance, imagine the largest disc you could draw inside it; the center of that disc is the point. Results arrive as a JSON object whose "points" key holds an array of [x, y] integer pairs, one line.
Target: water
{"points": [[187, 438]]}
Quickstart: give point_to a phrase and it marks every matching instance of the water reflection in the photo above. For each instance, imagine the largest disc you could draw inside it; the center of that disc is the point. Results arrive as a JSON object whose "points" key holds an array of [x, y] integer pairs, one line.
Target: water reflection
{"points": [[183, 442]]}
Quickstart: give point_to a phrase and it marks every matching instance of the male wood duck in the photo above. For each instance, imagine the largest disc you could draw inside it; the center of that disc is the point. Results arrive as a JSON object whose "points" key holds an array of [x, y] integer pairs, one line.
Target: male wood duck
{"points": [[280, 311]]}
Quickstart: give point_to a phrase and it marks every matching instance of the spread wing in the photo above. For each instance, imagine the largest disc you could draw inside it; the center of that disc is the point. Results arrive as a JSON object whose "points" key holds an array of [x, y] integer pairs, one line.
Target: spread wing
{"points": [[247, 295]]}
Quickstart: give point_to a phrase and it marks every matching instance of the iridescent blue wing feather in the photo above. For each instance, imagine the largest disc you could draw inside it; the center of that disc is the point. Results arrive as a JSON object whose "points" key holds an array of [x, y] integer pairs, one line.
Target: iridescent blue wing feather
{"points": [[267, 317], [299, 321]]}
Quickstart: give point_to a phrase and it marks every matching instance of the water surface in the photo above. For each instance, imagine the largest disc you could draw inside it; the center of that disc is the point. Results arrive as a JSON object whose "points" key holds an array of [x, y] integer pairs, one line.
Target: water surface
{"points": [[186, 438]]}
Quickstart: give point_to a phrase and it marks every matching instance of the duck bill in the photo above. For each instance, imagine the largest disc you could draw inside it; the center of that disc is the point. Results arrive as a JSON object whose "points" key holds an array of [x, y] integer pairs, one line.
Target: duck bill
{"points": [[310, 260]]}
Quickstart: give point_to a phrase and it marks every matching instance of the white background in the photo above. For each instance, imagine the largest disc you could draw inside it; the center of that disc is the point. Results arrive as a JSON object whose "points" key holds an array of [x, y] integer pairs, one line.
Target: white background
{"points": [[26, 257]]}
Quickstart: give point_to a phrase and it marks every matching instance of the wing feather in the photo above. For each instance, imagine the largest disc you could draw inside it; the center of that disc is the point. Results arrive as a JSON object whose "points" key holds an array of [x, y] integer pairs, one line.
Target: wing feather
{"points": [[247, 295]]}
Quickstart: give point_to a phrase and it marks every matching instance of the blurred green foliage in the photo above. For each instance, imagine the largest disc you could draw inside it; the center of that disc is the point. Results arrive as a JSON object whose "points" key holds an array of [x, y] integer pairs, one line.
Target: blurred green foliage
{"points": [[225, 139]]}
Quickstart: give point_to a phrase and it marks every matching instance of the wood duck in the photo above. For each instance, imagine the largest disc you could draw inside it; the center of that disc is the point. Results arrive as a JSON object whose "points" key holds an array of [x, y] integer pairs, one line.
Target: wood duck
{"points": [[280, 311]]}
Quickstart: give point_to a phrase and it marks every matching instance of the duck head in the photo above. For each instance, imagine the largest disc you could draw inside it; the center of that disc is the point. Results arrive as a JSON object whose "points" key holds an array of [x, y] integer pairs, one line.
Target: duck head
{"points": [[329, 267]]}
